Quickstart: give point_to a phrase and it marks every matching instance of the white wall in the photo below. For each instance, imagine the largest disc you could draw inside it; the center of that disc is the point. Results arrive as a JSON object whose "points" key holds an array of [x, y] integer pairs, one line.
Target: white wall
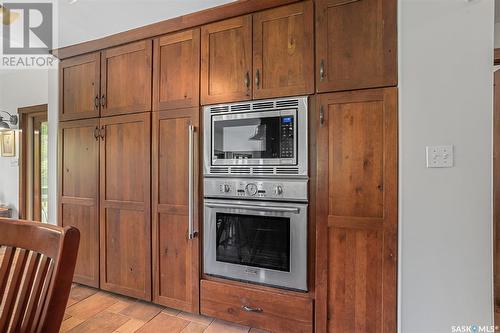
{"points": [[107, 17], [18, 88], [445, 52], [497, 35]]}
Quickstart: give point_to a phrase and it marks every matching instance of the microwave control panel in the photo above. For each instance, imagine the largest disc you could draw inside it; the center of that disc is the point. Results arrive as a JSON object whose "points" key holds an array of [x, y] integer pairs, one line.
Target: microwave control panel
{"points": [[275, 189]]}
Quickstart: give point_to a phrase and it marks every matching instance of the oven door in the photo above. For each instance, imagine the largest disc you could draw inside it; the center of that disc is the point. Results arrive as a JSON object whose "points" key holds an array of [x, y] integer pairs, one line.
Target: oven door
{"points": [[262, 242], [255, 138]]}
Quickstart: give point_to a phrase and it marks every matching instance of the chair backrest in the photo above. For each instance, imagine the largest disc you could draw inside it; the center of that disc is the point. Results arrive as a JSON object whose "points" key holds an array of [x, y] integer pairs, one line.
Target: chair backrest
{"points": [[36, 273]]}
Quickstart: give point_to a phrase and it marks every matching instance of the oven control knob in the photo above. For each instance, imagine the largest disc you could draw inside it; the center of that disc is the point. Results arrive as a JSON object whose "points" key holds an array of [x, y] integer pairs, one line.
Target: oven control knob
{"points": [[251, 189], [226, 188], [278, 190]]}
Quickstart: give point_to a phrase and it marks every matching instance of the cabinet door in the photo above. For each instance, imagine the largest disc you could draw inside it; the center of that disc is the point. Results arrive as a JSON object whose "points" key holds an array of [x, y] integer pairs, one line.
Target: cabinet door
{"points": [[79, 87], [177, 70], [175, 256], [79, 192], [283, 60], [125, 205], [126, 79], [355, 44], [226, 61], [356, 208]]}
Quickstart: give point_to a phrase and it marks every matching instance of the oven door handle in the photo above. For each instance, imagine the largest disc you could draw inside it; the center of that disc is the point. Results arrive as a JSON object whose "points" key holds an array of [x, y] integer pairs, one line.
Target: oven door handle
{"points": [[293, 210]]}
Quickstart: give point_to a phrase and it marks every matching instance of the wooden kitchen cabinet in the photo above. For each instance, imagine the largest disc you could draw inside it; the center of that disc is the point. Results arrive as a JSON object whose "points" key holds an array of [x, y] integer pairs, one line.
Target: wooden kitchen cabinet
{"points": [[175, 257], [126, 79], [283, 51], [125, 226], [356, 211], [176, 68], [356, 44], [79, 192], [79, 87], [226, 61]]}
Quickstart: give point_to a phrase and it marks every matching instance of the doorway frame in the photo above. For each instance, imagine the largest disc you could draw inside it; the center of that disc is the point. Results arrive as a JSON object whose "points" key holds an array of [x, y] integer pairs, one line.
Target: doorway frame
{"points": [[24, 114]]}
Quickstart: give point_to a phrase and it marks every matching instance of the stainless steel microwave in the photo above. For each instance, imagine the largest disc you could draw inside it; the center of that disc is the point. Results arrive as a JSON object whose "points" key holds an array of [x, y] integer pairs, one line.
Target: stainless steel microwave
{"points": [[259, 138]]}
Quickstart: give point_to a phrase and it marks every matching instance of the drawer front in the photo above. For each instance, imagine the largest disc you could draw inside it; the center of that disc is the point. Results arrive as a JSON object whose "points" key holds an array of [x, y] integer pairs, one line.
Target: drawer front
{"points": [[275, 312]]}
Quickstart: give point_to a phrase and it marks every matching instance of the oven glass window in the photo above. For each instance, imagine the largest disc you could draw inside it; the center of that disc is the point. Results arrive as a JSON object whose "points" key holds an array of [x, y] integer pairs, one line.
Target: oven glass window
{"points": [[258, 241], [254, 138]]}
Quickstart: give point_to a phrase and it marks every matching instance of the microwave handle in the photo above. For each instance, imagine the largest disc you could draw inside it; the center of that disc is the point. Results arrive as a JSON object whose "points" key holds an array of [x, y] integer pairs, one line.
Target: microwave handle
{"points": [[258, 208], [191, 232]]}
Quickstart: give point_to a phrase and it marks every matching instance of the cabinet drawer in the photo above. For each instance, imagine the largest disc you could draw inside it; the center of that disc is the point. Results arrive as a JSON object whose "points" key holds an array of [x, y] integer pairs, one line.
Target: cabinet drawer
{"points": [[274, 311]]}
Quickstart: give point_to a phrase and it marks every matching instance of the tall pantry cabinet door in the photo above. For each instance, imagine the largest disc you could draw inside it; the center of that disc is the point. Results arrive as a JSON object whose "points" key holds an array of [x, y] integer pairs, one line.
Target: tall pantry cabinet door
{"points": [[283, 51], [175, 256], [126, 73], [356, 212], [79, 87], [125, 205], [226, 61], [356, 44], [79, 192], [176, 67]]}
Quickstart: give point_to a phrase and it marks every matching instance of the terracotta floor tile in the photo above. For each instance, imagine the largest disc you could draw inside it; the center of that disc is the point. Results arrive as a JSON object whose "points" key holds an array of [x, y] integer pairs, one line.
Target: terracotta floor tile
{"points": [[104, 322], [120, 305], [141, 310], [163, 323], [170, 311], [194, 328], [204, 320], [92, 305], [79, 293], [220, 326], [69, 324], [130, 326]]}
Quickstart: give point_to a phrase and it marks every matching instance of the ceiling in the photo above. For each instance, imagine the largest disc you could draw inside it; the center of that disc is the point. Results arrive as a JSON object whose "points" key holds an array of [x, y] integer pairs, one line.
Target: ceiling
{"points": [[85, 20]]}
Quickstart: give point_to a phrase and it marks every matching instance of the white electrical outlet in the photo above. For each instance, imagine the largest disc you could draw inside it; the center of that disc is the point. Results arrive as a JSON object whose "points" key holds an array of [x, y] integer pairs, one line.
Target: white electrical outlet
{"points": [[439, 156]]}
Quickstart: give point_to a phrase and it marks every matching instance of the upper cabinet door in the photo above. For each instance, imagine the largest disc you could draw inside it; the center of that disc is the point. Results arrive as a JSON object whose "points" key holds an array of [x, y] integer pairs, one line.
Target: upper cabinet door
{"points": [[226, 61], [283, 59], [355, 44], [177, 71], [79, 87], [126, 79]]}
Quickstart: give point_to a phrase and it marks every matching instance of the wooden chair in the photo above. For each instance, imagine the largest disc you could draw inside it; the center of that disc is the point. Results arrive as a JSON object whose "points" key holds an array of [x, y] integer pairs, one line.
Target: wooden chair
{"points": [[35, 275]]}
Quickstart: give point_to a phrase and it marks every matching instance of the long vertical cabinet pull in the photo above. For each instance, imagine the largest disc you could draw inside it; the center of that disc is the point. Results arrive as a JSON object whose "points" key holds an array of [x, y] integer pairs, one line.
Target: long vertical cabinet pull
{"points": [[191, 232]]}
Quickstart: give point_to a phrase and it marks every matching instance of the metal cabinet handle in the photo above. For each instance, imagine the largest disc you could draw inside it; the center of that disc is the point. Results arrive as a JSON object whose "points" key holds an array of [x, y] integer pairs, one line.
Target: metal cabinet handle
{"points": [[103, 101], [321, 115], [191, 232], [247, 80], [257, 79], [322, 70], [251, 309], [96, 133], [102, 132], [96, 102]]}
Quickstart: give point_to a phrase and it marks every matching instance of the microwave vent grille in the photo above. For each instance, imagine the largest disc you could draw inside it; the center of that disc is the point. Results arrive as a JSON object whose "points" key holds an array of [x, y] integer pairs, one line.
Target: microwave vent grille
{"points": [[287, 103], [287, 171], [240, 107], [263, 171], [263, 105], [219, 170], [217, 109], [240, 170]]}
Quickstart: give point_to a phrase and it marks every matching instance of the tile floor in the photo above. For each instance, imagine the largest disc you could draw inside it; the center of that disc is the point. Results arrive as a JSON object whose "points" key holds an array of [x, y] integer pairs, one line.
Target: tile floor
{"points": [[92, 310]]}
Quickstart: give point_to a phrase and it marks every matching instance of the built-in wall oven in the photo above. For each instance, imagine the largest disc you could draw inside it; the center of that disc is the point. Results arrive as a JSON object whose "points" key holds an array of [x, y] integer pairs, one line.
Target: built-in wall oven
{"points": [[255, 188]]}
